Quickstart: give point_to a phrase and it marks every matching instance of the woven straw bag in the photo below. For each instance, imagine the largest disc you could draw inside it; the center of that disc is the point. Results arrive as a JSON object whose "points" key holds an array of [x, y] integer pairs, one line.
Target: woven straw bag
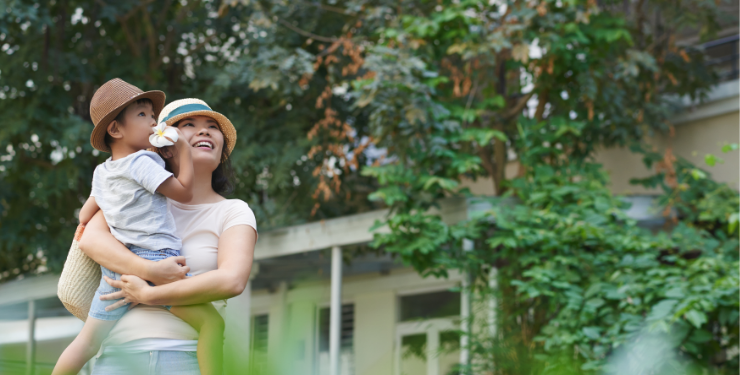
{"points": [[80, 278]]}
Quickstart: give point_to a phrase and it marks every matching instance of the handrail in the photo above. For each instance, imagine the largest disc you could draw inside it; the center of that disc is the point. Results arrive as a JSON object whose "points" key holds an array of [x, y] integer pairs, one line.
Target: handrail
{"points": [[731, 59], [720, 41]]}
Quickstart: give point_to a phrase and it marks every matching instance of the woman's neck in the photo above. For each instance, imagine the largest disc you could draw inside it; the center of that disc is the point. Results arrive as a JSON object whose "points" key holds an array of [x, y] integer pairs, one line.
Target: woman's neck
{"points": [[202, 190]]}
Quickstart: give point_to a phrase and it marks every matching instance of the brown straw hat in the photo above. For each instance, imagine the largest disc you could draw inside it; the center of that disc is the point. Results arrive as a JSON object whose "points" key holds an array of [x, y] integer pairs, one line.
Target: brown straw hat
{"points": [[184, 108], [108, 102]]}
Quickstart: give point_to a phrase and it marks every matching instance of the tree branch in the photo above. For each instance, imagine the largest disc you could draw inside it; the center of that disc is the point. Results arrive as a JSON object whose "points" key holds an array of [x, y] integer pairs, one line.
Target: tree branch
{"points": [[129, 38], [163, 13], [519, 106], [152, 40], [330, 8], [200, 45], [41, 163], [499, 158], [541, 102], [171, 34], [471, 94], [306, 33], [487, 162]]}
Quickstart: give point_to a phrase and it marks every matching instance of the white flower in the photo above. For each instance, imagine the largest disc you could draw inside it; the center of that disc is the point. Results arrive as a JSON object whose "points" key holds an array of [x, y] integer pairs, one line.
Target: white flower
{"points": [[160, 132]]}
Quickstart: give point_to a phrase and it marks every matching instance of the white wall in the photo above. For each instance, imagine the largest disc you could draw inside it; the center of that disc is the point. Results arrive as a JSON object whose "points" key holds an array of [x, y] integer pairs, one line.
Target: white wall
{"points": [[692, 141], [375, 320]]}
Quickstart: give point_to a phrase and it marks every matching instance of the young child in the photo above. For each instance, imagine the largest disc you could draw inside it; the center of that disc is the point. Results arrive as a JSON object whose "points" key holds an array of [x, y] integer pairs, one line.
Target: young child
{"points": [[131, 188]]}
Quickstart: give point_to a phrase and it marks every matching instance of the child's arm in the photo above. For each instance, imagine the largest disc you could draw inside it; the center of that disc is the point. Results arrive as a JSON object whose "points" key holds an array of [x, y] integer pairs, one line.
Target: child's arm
{"points": [[180, 188], [88, 210]]}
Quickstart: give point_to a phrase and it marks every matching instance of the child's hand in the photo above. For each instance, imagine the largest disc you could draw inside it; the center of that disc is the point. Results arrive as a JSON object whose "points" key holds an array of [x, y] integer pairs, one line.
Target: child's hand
{"points": [[181, 141], [168, 152], [167, 270]]}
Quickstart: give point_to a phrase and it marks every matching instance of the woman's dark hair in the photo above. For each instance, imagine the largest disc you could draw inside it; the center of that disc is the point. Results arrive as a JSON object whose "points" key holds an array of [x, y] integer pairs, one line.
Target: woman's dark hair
{"points": [[222, 179]]}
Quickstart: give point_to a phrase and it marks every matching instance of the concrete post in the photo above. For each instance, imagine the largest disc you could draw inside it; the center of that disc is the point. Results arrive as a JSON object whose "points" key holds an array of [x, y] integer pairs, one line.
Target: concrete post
{"points": [[31, 343], [335, 312]]}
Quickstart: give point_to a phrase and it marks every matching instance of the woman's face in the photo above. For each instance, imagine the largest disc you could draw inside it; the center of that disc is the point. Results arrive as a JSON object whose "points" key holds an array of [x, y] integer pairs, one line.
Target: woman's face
{"points": [[206, 139]]}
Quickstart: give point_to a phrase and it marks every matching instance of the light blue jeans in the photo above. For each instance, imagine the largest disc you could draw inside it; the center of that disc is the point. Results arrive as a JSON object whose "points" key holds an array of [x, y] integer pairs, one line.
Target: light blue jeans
{"points": [[97, 308], [147, 363]]}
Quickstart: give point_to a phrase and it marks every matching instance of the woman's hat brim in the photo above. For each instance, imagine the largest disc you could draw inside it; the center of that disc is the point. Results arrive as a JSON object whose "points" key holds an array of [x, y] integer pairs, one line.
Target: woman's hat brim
{"points": [[97, 137], [227, 128]]}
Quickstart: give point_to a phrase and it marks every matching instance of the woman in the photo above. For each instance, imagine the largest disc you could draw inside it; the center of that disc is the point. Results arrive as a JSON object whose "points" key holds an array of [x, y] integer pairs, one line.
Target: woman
{"points": [[218, 238]]}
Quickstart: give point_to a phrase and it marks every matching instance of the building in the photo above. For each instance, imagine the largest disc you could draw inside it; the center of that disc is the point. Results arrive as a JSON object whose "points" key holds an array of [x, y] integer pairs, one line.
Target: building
{"points": [[387, 319]]}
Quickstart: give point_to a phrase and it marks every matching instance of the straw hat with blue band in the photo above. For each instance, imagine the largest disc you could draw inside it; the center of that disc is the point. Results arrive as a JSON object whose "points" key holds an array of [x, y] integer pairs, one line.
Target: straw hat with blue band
{"points": [[184, 108]]}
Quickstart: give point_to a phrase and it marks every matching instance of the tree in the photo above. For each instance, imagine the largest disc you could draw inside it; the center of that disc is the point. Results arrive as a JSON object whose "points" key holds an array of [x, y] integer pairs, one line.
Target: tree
{"points": [[459, 90], [54, 56]]}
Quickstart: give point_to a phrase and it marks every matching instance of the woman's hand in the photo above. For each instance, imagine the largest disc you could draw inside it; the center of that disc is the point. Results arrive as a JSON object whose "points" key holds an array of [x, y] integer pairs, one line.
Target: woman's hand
{"points": [[133, 290]]}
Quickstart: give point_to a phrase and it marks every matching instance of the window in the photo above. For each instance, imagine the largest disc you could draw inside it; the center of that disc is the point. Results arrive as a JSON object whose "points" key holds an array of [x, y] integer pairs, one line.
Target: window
{"points": [[427, 338], [347, 338], [430, 305]]}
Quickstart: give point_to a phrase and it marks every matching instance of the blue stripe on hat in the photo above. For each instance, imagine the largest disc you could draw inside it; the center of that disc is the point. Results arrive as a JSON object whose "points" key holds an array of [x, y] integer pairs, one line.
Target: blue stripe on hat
{"points": [[185, 109]]}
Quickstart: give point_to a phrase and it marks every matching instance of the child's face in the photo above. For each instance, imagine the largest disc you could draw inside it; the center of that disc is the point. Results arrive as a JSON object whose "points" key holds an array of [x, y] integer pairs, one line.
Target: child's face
{"points": [[137, 125]]}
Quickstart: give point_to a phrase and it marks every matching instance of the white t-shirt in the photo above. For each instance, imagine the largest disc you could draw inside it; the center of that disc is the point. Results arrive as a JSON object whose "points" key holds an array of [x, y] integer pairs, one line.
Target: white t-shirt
{"points": [[199, 227], [126, 192]]}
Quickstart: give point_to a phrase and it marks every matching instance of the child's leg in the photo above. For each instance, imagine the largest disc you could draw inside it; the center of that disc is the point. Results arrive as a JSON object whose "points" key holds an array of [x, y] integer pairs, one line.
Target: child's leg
{"points": [[97, 326], [85, 346], [210, 326]]}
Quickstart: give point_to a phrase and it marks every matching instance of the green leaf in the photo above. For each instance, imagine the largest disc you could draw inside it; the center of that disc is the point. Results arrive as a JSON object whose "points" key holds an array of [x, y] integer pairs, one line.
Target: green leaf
{"points": [[732, 222], [662, 309], [593, 333], [729, 147], [698, 174], [483, 136], [712, 160], [696, 318], [675, 293], [444, 183], [700, 336], [494, 102], [595, 303]]}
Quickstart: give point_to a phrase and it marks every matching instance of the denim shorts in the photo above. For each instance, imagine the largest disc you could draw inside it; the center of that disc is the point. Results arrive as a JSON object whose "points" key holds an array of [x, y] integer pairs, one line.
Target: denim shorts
{"points": [[147, 363], [97, 308]]}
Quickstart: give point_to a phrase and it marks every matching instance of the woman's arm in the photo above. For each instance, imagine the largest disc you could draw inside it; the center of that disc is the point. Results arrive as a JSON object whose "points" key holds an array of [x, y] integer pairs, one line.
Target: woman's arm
{"points": [[235, 255], [100, 245]]}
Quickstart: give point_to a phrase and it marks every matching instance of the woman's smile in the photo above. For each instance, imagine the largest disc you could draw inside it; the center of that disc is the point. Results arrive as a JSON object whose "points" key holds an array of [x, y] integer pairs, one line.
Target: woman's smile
{"points": [[204, 145]]}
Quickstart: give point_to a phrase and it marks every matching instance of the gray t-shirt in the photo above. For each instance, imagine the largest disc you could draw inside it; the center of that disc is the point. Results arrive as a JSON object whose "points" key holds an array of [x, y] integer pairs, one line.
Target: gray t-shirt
{"points": [[126, 191]]}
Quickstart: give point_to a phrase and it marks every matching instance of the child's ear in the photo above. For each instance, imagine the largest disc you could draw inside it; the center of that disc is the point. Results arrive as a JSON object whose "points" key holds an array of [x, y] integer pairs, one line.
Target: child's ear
{"points": [[114, 130]]}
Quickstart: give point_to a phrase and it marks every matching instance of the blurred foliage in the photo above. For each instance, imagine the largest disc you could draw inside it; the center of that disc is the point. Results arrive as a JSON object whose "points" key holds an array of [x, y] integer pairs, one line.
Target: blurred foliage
{"points": [[56, 53], [458, 91]]}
